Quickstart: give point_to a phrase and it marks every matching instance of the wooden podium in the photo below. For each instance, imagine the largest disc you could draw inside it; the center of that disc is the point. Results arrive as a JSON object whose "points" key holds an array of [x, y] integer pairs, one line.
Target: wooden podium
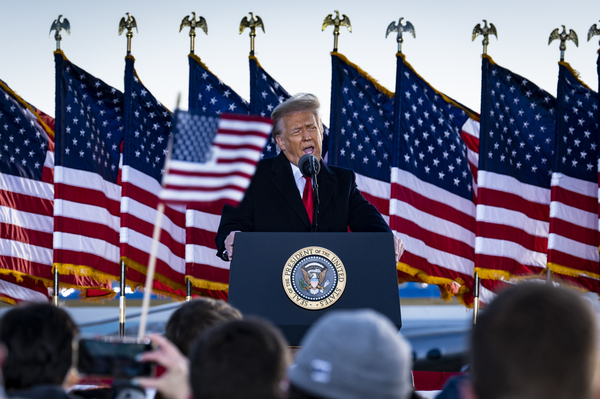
{"points": [[267, 279]]}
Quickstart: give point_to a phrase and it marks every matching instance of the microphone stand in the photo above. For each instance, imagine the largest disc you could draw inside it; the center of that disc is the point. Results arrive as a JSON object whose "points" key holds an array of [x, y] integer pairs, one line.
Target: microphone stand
{"points": [[316, 201]]}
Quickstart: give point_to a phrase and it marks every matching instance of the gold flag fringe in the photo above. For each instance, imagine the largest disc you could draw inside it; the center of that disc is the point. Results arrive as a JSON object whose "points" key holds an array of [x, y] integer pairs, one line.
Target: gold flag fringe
{"points": [[442, 282], [24, 103], [447, 99], [365, 75], [157, 276], [208, 285], [84, 271], [574, 72], [567, 271]]}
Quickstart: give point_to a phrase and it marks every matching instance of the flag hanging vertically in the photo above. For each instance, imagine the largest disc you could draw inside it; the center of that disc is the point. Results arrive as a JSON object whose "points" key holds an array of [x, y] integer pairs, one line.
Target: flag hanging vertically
{"points": [[515, 168], [207, 93], [573, 240], [212, 162], [89, 131], [147, 131], [27, 205], [432, 193], [361, 129], [265, 94]]}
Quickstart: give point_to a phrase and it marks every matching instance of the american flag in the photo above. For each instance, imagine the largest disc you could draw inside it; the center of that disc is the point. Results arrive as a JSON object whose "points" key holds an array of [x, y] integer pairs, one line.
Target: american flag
{"points": [[573, 240], [432, 193], [361, 126], [209, 94], [147, 131], [213, 158], [206, 271], [516, 157], [265, 94], [89, 131], [27, 204], [212, 162]]}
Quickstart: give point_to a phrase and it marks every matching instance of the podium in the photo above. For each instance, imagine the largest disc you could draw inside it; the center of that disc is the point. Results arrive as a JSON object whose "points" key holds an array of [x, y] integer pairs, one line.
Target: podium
{"points": [[267, 280]]}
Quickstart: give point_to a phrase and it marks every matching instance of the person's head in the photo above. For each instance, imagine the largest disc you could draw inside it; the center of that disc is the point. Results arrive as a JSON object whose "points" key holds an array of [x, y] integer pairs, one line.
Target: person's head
{"points": [[297, 127], [188, 322], [352, 354], [243, 359], [38, 339], [534, 341]]}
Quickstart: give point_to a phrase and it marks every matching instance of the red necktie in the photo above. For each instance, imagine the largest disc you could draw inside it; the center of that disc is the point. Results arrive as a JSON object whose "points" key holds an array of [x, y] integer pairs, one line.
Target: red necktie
{"points": [[307, 198]]}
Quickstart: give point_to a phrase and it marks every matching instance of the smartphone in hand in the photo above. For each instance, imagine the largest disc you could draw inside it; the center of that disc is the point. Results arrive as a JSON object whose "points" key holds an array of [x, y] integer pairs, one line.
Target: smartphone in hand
{"points": [[112, 357]]}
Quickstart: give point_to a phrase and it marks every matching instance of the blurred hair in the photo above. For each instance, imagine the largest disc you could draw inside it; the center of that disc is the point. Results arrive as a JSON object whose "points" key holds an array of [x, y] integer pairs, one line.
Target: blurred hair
{"points": [[535, 341], [244, 359], [39, 340], [188, 322]]}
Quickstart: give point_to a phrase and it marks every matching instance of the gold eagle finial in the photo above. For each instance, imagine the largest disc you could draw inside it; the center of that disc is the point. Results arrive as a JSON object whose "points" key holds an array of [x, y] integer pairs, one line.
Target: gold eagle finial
{"points": [[58, 25], [407, 27], [252, 23], [563, 37], [485, 31], [337, 22], [128, 24], [193, 23], [594, 31]]}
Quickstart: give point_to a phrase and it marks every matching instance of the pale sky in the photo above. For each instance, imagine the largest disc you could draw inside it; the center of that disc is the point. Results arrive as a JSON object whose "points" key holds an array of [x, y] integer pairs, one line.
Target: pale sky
{"points": [[293, 50]]}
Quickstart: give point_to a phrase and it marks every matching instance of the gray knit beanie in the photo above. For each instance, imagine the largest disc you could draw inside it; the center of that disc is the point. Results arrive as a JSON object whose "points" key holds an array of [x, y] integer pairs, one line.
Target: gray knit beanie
{"points": [[353, 354]]}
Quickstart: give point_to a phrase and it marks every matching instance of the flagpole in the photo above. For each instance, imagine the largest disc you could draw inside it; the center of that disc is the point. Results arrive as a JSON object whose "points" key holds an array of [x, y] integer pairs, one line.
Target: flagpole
{"points": [[160, 210], [56, 287], [476, 298], [188, 289], [484, 124], [150, 271], [122, 305], [58, 25]]}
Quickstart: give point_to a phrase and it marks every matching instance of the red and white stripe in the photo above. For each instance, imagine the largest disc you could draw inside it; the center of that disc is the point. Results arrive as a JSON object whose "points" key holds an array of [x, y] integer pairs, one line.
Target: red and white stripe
{"points": [[86, 222], [377, 192], [138, 216], [26, 224], [26, 237], [470, 135], [200, 254], [573, 238], [224, 179], [512, 225], [437, 227]]}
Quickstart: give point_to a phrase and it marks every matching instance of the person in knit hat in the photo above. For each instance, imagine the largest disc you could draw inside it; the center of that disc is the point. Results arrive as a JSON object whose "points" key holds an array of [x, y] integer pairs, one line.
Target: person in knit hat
{"points": [[352, 354]]}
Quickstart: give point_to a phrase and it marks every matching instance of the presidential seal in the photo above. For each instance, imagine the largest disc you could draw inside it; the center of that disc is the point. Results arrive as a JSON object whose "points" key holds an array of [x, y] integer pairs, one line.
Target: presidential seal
{"points": [[314, 278]]}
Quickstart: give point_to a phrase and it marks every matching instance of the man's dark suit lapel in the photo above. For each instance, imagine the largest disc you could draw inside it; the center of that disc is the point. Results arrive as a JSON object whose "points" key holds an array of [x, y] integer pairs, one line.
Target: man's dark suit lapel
{"points": [[283, 179]]}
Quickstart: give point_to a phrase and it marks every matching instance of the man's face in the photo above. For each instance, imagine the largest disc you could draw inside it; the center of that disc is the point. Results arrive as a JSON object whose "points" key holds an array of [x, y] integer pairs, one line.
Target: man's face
{"points": [[301, 135]]}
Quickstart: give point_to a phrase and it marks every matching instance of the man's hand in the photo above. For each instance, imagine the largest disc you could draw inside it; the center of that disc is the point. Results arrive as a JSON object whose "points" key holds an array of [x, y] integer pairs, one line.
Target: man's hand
{"points": [[229, 244], [398, 247], [174, 383]]}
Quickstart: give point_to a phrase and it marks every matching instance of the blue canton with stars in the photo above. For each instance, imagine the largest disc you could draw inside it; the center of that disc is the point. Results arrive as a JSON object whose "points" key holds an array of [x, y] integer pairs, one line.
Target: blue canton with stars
{"points": [[365, 139], [522, 119], [24, 142], [430, 144], [148, 134], [265, 95], [209, 94], [194, 134], [93, 122], [577, 137]]}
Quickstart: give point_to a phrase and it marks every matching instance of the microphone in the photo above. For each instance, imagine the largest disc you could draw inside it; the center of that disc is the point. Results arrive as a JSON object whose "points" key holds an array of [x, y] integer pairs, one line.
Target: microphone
{"points": [[309, 165]]}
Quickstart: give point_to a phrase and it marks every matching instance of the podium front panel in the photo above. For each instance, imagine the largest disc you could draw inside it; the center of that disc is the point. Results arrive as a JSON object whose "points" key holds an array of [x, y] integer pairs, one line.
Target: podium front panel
{"points": [[256, 287]]}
